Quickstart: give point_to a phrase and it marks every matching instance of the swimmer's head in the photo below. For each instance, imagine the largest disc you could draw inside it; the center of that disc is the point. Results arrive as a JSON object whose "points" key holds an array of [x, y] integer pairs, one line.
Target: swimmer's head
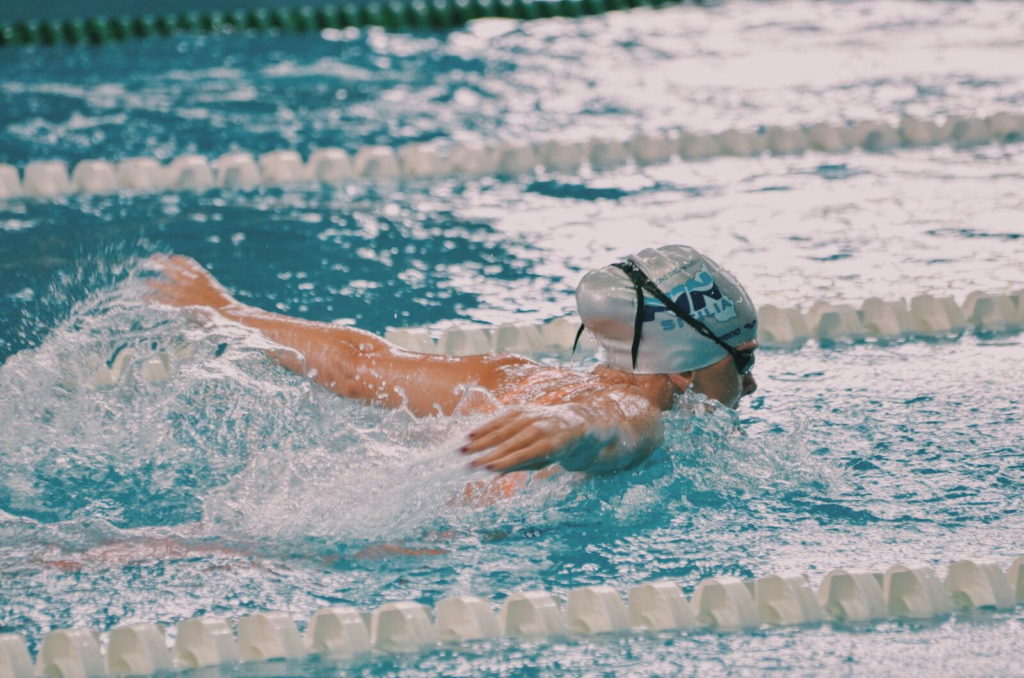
{"points": [[653, 339]]}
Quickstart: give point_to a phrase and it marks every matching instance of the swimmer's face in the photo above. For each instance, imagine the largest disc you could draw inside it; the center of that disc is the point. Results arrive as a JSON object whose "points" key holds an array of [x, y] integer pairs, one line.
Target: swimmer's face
{"points": [[723, 382]]}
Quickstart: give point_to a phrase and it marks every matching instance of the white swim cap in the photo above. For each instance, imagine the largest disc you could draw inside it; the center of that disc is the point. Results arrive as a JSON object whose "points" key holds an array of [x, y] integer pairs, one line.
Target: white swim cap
{"points": [[607, 302]]}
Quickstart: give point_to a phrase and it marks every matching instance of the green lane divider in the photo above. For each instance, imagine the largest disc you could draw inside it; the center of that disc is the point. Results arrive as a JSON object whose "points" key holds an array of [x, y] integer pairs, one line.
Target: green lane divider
{"points": [[393, 15]]}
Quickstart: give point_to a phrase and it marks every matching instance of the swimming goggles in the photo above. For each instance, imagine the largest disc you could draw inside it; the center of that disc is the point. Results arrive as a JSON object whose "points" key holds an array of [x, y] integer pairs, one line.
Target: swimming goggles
{"points": [[744, 360]]}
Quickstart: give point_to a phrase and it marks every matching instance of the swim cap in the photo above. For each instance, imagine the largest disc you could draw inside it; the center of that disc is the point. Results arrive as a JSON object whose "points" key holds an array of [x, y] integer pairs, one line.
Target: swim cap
{"points": [[607, 302]]}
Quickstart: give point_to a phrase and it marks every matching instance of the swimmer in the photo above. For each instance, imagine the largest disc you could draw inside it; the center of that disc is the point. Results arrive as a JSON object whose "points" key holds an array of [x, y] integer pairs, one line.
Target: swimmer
{"points": [[670, 320]]}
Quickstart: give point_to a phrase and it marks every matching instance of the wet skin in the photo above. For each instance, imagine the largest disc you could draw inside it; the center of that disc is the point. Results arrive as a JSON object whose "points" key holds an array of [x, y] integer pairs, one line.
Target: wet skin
{"points": [[598, 422]]}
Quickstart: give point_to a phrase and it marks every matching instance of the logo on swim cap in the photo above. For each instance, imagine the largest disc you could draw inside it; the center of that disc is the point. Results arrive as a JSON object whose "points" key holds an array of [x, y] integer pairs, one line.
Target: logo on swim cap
{"points": [[699, 296]]}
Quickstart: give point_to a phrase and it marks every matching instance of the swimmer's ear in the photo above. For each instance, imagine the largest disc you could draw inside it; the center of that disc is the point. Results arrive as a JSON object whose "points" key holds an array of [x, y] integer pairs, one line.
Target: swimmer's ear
{"points": [[682, 380]]}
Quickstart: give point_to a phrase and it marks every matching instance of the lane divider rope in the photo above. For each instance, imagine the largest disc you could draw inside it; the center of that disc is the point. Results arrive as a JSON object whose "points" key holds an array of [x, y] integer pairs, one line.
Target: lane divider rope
{"points": [[394, 15], [877, 320], [236, 170], [778, 328], [343, 633]]}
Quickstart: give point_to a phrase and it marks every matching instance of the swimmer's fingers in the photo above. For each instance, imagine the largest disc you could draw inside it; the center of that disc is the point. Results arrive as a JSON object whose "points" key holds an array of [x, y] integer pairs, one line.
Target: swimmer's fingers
{"points": [[497, 423], [525, 438], [531, 457], [493, 432], [495, 437]]}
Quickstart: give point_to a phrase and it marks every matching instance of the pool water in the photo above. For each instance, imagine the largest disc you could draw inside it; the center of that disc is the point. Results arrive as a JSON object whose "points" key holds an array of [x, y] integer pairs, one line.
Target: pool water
{"points": [[236, 486]]}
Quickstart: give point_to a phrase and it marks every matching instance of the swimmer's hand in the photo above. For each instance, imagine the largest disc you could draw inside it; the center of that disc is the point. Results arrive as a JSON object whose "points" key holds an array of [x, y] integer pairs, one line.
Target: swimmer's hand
{"points": [[184, 282], [596, 436]]}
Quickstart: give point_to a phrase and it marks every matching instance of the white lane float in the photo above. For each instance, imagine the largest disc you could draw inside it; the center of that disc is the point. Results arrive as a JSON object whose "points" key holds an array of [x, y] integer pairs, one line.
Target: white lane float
{"points": [[724, 604], [660, 606], [852, 595], [699, 146], [10, 182], [15, 661], [415, 339], [137, 650], [991, 312], [828, 138], [559, 335], [787, 599], [516, 159], [1016, 576], [190, 172], [464, 340], [422, 160], [96, 177], [834, 322], [606, 154], [282, 167], [914, 592], [918, 132], [237, 170], [330, 166], [531, 614], [338, 632], [559, 156], [876, 137], [966, 132], [475, 160], [376, 162], [269, 635], [523, 338], [780, 328], [202, 642], [978, 584], [885, 319], [740, 144], [652, 149], [46, 179], [143, 175], [70, 653], [786, 140], [720, 604], [401, 628], [592, 610], [931, 317], [1005, 127], [466, 618]]}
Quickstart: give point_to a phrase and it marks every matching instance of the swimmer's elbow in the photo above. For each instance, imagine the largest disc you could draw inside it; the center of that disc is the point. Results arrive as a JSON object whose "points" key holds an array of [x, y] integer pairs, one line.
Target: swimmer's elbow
{"points": [[636, 438]]}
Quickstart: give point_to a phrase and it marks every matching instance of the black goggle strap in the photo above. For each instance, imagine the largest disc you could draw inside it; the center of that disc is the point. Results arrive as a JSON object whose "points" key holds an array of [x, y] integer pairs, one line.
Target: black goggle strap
{"points": [[638, 321], [641, 282], [576, 342]]}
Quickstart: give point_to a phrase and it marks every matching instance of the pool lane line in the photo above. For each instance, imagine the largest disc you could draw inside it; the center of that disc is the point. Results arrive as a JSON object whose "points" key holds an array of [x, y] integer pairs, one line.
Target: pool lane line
{"points": [[986, 314], [393, 15], [846, 596], [239, 170]]}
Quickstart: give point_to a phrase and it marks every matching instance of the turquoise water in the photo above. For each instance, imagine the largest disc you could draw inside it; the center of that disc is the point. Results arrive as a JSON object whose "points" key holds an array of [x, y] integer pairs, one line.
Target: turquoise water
{"points": [[236, 486]]}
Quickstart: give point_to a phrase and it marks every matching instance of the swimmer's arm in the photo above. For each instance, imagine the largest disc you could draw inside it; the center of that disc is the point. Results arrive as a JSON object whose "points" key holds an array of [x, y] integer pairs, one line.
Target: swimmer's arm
{"points": [[604, 431], [350, 362]]}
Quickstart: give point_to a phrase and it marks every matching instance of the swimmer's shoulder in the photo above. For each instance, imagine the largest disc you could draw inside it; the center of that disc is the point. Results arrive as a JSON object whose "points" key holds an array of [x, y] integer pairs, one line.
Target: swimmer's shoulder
{"points": [[532, 383]]}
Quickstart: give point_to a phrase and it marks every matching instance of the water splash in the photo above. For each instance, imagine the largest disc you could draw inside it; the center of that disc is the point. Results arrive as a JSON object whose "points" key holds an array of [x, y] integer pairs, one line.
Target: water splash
{"points": [[234, 447]]}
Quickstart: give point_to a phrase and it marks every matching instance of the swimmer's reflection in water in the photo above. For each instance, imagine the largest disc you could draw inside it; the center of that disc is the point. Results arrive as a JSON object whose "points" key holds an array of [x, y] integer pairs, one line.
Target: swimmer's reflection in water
{"points": [[670, 320]]}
